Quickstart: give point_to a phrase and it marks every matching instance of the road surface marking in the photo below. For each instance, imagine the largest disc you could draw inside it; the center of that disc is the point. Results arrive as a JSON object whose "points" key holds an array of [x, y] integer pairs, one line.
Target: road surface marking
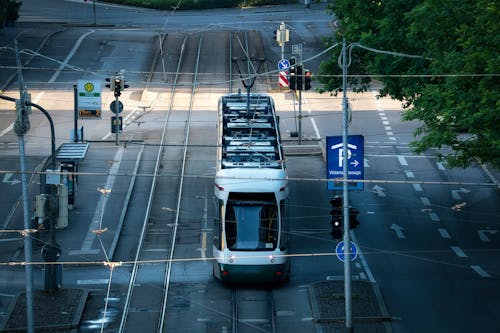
{"points": [[402, 160], [398, 230], [93, 281], [425, 201], [361, 257], [441, 166], [8, 129], [459, 252], [418, 187], [409, 174], [483, 237], [480, 271], [444, 233], [434, 217]]}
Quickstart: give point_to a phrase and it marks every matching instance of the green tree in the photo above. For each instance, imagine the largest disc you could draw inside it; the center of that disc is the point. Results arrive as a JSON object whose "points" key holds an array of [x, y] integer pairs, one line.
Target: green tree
{"points": [[453, 89], [9, 11]]}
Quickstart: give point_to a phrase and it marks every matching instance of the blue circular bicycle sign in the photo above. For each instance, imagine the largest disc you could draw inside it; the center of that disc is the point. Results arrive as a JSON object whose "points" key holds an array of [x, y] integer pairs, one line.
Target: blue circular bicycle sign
{"points": [[339, 251]]}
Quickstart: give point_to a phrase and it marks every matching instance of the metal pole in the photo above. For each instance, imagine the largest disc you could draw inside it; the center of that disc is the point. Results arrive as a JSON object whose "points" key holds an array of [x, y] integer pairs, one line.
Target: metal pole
{"points": [[345, 156], [300, 116], [53, 249], [95, 20], [22, 126], [117, 120], [75, 94]]}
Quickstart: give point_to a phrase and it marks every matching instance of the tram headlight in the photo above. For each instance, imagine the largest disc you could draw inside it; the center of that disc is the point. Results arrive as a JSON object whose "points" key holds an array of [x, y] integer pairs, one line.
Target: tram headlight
{"points": [[231, 259], [271, 258]]}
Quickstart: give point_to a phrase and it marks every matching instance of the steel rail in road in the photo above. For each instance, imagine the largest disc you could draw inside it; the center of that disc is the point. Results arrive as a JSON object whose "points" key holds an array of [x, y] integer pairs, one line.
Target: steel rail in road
{"points": [[147, 224], [181, 184], [254, 312], [249, 66]]}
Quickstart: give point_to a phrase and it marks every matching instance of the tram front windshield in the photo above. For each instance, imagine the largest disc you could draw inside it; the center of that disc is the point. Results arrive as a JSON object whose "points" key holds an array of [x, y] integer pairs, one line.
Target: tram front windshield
{"points": [[252, 222]]}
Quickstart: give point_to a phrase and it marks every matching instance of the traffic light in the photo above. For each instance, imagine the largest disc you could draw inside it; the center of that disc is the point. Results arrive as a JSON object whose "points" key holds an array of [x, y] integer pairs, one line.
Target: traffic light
{"points": [[123, 85], [111, 84], [307, 79], [298, 78], [337, 220], [275, 35], [292, 80], [117, 85], [353, 217]]}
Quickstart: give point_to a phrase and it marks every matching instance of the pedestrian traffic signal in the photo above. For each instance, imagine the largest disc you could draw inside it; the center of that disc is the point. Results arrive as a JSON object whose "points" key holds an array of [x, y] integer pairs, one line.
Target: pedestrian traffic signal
{"points": [[111, 84], [353, 217], [336, 228], [307, 79], [117, 85], [337, 220], [298, 76], [292, 80]]}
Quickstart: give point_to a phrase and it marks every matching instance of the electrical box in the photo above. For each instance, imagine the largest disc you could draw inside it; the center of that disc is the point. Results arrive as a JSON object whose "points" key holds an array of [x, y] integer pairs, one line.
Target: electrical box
{"points": [[62, 217], [41, 205]]}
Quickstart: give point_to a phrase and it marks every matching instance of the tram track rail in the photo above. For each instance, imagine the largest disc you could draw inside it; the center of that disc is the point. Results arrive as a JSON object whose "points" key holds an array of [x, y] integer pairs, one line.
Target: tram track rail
{"points": [[155, 251], [253, 310]]}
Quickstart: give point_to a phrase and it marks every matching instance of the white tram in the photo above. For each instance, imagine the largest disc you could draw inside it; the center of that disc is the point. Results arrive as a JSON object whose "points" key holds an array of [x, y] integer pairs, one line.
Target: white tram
{"points": [[251, 190]]}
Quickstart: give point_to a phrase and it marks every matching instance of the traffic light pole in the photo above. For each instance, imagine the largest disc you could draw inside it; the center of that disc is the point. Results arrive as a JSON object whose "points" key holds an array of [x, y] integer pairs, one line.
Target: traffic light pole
{"points": [[300, 116], [21, 127], [117, 120], [345, 165]]}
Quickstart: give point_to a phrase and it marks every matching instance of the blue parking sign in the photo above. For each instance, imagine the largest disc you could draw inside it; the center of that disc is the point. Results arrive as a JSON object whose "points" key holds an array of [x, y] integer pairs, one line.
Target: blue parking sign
{"points": [[334, 161]]}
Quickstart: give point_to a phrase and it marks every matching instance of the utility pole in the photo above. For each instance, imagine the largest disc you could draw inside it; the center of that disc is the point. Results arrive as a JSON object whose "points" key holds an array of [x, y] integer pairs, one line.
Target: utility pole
{"points": [[21, 126], [345, 156], [75, 97], [95, 20], [282, 35]]}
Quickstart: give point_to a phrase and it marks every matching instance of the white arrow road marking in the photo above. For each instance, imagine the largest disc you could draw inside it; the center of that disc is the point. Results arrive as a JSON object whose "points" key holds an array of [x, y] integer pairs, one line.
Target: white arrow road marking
{"points": [[6, 179], [399, 230], [380, 190], [484, 237], [456, 193]]}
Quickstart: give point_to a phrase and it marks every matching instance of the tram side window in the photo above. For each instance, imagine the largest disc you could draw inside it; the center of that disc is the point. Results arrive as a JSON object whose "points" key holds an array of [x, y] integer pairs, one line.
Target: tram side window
{"points": [[269, 227], [231, 228], [218, 228], [284, 226]]}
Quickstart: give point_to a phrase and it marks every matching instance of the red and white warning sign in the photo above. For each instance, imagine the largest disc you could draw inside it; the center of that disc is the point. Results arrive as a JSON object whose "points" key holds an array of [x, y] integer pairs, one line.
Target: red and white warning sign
{"points": [[282, 80]]}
